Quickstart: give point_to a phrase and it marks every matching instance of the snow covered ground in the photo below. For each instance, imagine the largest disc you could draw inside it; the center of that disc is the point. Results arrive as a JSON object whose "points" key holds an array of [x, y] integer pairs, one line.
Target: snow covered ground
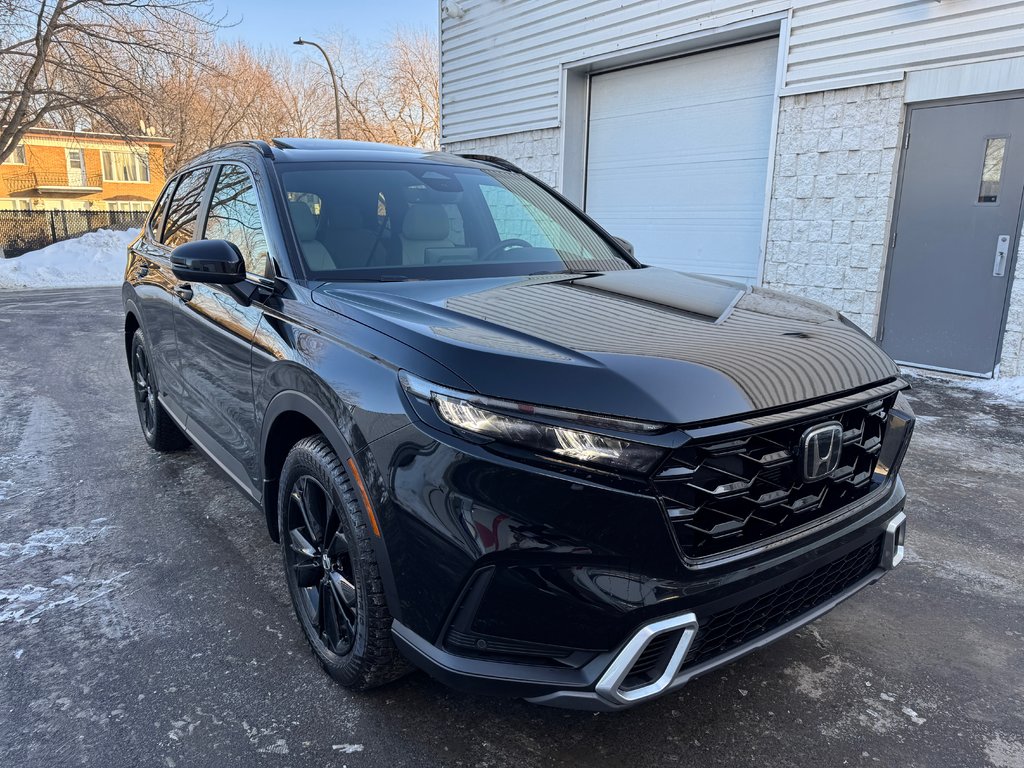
{"points": [[1008, 389], [1004, 389], [96, 258]]}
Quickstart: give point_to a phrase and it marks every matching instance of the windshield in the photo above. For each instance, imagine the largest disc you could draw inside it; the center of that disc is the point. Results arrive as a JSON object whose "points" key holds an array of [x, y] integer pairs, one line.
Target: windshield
{"points": [[396, 221]]}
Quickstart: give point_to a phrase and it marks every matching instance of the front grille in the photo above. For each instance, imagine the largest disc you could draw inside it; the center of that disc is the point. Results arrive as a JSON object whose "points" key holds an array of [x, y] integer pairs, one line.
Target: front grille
{"points": [[728, 629], [733, 492]]}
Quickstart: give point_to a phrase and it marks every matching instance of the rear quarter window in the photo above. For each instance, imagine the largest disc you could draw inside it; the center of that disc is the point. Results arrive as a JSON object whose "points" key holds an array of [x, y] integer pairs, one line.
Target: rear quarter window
{"points": [[156, 218]]}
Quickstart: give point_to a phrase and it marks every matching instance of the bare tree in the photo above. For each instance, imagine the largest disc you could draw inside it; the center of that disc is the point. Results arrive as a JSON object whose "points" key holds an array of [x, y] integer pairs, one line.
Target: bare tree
{"points": [[389, 92], [77, 63], [305, 99]]}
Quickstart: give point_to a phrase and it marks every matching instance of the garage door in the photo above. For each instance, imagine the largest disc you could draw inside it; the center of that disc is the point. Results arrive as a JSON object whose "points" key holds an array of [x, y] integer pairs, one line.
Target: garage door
{"points": [[677, 157]]}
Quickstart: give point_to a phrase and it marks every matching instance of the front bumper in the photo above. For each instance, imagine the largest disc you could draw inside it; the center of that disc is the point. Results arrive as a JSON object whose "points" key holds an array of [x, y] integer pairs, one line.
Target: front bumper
{"points": [[693, 639]]}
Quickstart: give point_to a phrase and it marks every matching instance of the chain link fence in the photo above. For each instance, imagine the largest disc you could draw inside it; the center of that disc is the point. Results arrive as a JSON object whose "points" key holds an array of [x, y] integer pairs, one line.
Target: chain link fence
{"points": [[23, 231]]}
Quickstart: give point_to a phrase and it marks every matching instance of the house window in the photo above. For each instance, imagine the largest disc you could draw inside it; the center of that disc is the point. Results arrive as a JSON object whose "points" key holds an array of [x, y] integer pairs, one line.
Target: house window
{"points": [[17, 157], [125, 166]]}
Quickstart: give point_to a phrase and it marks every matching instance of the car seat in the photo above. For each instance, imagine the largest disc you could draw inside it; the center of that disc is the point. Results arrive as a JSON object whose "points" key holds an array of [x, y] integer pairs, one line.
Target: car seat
{"points": [[315, 253], [425, 226]]}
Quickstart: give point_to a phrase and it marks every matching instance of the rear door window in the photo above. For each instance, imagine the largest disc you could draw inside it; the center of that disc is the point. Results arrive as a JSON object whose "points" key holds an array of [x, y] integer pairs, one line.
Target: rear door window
{"points": [[234, 216], [183, 210]]}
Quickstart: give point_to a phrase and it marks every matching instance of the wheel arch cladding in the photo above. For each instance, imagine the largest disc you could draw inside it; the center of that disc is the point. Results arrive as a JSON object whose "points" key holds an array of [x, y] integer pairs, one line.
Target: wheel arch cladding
{"points": [[290, 417], [131, 325]]}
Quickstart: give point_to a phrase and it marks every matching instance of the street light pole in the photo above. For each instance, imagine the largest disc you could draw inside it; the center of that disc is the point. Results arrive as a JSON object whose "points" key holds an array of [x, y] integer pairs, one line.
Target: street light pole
{"points": [[334, 84]]}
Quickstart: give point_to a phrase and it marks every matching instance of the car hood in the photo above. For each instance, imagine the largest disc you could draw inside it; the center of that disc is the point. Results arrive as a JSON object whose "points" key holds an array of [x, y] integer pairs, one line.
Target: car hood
{"points": [[647, 344]]}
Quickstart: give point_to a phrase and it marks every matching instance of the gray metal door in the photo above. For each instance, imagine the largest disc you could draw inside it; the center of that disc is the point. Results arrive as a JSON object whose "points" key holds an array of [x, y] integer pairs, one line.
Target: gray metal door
{"points": [[956, 231]]}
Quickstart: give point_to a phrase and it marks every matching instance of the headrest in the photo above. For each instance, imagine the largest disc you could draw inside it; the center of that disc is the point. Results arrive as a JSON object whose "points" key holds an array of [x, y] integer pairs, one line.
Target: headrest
{"points": [[425, 221], [303, 220]]}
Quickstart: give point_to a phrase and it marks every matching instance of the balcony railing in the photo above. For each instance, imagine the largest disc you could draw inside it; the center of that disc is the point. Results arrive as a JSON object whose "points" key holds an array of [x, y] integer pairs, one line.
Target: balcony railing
{"points": [[58, 182]]}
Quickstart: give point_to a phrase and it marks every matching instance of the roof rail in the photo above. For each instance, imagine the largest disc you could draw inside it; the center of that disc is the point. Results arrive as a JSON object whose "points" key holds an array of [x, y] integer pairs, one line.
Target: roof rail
{"points": [[493, 160], [259, 144]]}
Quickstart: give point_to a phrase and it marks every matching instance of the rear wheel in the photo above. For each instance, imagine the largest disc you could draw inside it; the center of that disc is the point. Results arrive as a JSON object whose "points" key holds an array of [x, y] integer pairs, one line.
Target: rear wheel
{"points": [[158, 428], [331, 569]]}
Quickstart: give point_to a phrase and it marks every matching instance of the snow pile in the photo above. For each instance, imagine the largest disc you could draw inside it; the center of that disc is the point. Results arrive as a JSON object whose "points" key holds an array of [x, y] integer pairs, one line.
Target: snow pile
{"points": [[1005, 389], [1009, 389], [96, 258]]}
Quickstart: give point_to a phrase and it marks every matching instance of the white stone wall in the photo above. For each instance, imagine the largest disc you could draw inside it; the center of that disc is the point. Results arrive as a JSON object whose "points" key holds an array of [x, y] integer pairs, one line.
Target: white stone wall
{"points": [[835, 175], [1012, 358], [535, 152]]}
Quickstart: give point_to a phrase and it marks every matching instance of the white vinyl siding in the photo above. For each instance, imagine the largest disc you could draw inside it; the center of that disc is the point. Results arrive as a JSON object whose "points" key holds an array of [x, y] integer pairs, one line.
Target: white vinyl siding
{"points": [[678, 158], [501, 62], [125, 166]]}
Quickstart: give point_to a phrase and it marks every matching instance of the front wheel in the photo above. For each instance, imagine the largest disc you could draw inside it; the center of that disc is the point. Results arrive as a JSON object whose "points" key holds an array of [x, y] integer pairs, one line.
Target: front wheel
{"points": [[331, 569]]}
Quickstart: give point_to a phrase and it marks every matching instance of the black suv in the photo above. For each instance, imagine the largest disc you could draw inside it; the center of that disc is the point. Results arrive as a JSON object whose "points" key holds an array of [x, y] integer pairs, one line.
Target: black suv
{"points": [[492, 443]]}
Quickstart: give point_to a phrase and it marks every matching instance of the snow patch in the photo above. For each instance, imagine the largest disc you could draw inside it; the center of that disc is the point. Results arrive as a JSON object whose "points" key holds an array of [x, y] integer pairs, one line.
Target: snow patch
{"points": [[1004, 752], [50, 540], [348, 749], [917, 720], [815, 684], [26, 604], [96, 258], [279, 747], [1007, 389]]}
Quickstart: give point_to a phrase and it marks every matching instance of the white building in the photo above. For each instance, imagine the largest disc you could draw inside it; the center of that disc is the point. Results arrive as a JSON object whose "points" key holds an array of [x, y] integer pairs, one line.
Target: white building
{"points": [[864, 153]]}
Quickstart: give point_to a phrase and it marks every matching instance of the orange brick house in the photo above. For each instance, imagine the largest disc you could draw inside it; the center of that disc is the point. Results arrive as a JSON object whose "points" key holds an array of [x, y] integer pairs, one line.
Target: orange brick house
{"points": [[54, 169]]}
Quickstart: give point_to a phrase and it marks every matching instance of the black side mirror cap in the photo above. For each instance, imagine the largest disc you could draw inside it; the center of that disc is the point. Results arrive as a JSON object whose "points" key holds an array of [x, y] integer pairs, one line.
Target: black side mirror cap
{"points": [[625, 245], [208, 261]]}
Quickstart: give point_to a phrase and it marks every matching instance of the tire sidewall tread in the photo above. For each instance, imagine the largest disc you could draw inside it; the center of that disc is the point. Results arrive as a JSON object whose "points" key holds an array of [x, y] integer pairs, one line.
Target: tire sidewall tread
{"points": [[373, 659]]}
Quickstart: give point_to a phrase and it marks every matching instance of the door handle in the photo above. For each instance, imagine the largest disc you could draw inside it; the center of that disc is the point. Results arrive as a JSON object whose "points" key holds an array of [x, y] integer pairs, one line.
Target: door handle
{"points": [[146, 267], [1002, 251], [184, 292]]}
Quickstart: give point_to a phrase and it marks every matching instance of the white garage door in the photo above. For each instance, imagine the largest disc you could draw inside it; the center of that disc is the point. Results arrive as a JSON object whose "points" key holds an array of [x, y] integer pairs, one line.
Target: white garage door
{"points": [[678, 158]]}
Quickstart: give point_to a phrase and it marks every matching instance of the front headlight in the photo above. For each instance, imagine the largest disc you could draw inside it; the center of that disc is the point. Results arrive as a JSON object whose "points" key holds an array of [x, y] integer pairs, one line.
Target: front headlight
{"points": [[899, 427], [502, 420]]}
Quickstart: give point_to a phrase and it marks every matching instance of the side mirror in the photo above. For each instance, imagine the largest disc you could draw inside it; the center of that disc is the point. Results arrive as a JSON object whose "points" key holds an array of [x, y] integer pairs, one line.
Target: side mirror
{"points": [[625, 245], [208, 261]]}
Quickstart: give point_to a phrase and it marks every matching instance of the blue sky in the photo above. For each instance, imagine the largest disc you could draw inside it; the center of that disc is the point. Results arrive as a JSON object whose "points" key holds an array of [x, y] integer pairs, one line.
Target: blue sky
{"points": [[279, 22]]}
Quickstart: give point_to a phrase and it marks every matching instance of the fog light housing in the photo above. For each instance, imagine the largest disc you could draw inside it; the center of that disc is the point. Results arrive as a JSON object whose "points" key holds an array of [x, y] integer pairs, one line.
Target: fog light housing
{"points": [[895, 541]]}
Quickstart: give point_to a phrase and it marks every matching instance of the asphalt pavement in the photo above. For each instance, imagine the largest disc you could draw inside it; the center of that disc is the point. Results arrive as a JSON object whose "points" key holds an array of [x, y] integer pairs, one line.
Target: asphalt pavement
{"points": [[145, 621]]}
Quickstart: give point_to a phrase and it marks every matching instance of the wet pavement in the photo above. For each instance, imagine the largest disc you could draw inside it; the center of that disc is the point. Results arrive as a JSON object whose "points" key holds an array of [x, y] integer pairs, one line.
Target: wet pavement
{"points": [[144, 618]]}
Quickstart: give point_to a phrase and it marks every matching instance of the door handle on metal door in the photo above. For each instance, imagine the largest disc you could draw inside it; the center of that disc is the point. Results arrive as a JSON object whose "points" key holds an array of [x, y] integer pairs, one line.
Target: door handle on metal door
{"points": [[184, 292], [1002, 251]]}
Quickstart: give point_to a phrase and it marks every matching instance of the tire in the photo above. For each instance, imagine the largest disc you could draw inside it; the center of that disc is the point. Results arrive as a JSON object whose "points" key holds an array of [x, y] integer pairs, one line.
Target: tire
{"points": [[158, 428], [332, 573]]}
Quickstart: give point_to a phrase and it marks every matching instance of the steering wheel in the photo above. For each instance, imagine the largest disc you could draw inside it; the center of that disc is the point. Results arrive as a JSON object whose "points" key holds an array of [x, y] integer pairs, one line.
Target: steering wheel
{"points": [[506, 245]]}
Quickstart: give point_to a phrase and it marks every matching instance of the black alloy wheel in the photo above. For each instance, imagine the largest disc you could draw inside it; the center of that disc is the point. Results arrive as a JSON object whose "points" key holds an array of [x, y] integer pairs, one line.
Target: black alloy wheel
{"points": [[332, 570], [320, 558], [145, 390]]}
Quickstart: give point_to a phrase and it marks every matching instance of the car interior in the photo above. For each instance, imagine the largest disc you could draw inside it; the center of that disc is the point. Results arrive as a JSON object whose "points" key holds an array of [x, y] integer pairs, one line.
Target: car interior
{"points": [[347, 219]]}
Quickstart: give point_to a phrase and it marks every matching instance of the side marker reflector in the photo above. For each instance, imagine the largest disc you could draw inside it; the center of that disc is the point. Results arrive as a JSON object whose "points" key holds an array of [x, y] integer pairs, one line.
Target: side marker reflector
{"points": [[366, 497]]}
